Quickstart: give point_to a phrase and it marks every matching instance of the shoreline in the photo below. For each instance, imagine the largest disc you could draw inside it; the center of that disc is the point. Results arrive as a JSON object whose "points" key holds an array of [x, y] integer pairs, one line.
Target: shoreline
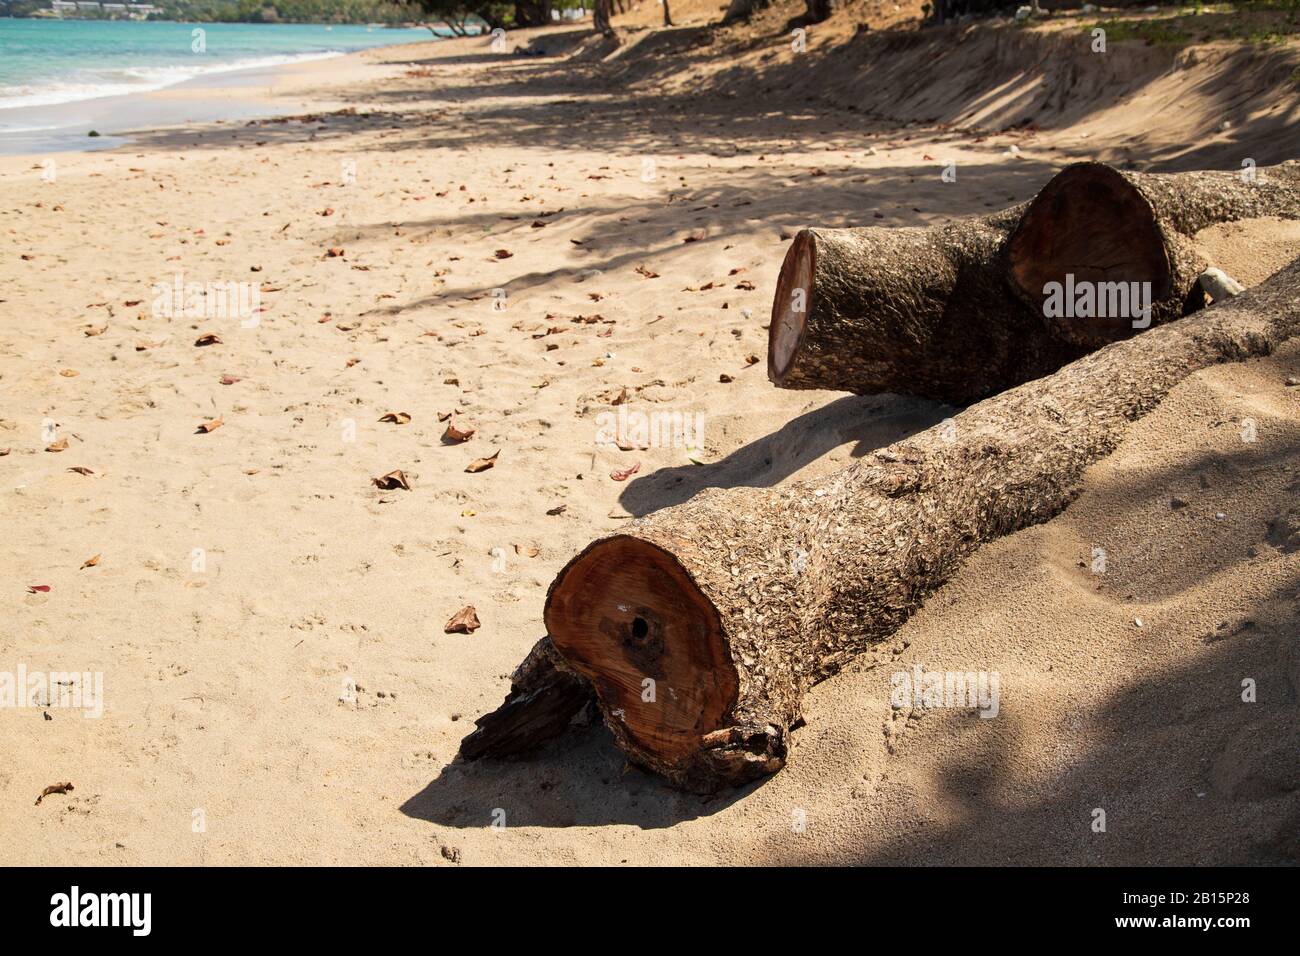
{"points": [[219, 95]]}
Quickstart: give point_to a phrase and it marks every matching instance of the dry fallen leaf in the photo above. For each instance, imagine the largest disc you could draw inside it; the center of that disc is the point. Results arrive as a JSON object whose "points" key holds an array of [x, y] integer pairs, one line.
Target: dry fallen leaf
{"points": [[624, 474], [482, 464], [503, 254], [210, 425], [443, 416], [333, 253], [93, 330], [60, 445], [396, 418], [69, 372], [53, 789], [527, 551], [38, 589], [455, 434], [392, 480], [464, 621], [89, 562], [649, 274], [229, 379], [81, 470], [208, 338], [557, 510]]}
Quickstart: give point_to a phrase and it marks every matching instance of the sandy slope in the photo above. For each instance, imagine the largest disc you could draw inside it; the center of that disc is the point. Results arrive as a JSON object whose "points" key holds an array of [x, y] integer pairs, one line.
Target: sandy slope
{"points": [[223, 685]]}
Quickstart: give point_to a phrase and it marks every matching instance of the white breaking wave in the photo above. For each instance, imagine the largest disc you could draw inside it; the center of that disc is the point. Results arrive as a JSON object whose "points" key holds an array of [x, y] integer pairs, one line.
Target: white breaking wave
{"points": [[124, 82]]}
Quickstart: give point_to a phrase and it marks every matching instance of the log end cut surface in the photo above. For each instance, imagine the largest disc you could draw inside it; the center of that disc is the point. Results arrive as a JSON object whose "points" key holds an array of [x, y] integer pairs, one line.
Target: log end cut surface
{"points": [[1092, 223], [791, 306], [625, 610]]}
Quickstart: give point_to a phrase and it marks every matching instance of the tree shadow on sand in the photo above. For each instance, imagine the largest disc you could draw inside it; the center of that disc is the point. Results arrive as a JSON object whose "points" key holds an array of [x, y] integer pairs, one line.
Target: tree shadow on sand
{"points": [[868, 421]]}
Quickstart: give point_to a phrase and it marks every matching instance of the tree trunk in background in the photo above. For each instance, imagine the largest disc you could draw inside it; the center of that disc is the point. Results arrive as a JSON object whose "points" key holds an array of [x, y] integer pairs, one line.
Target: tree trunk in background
{"points": [[601, 17], [743, 9], [532, 13], [956, 312], [701, 627], [819, 10], [668, 16]]}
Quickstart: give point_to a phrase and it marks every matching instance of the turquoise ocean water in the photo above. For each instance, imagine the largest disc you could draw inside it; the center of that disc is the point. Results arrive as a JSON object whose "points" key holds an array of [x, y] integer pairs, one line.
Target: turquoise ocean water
{"points": [[43, 62]]}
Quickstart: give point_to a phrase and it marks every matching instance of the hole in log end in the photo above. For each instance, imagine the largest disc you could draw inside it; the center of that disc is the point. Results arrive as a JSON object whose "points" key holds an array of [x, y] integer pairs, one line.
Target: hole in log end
{"points": [[792, 305], [625, 612], [1091, 223]]}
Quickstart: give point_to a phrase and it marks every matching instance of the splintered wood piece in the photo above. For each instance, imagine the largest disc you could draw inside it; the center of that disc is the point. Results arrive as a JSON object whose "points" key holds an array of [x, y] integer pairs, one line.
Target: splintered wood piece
{"points": [[542, 704]]}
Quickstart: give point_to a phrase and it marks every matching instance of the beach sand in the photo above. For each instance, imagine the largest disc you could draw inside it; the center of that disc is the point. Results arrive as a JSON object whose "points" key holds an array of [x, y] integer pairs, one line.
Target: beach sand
{"points": [[277, 685]]}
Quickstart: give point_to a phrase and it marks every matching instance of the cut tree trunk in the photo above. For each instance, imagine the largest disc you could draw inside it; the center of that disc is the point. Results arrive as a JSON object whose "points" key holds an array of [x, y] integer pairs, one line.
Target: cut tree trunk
{"points": [[700, 627], [957, 312]]}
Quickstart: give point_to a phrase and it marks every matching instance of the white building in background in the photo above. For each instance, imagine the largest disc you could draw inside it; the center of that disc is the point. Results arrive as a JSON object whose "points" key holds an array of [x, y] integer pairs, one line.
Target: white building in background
{"points": [[114, 7], [87, 4], [63, 6]]}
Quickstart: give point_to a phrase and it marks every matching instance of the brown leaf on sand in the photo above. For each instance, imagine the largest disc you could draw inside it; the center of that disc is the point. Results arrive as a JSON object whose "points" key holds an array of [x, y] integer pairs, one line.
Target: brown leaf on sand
{"points": [[69, 372], [443, 416], [81, 470], [623, 474], [464, 621], [38, 589], [456, 434], [557, 510], [5, 451], [333, 252], [144, 345], [53, 789], [528, 552], [751, 359], [745, 285], [229, 379], [208, 338], [642, 270], [395, 418], [392, 480], [93, 330], [60, 445], [89, 563], [503, 254], [482, 464], [211, 425]]}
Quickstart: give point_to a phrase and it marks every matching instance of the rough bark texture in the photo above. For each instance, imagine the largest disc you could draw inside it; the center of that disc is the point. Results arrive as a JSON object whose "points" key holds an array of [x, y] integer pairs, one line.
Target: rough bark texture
{"points": [[956, 312], [737, 601], [600, 17]]}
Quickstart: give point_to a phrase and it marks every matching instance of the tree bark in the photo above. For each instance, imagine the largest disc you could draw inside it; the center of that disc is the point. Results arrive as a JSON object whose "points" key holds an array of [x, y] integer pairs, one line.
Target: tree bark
{"points": [[668, 14], [601, 17], [817, 11], [956, 312], [700, 627], [532, 13], [743, 10]]}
